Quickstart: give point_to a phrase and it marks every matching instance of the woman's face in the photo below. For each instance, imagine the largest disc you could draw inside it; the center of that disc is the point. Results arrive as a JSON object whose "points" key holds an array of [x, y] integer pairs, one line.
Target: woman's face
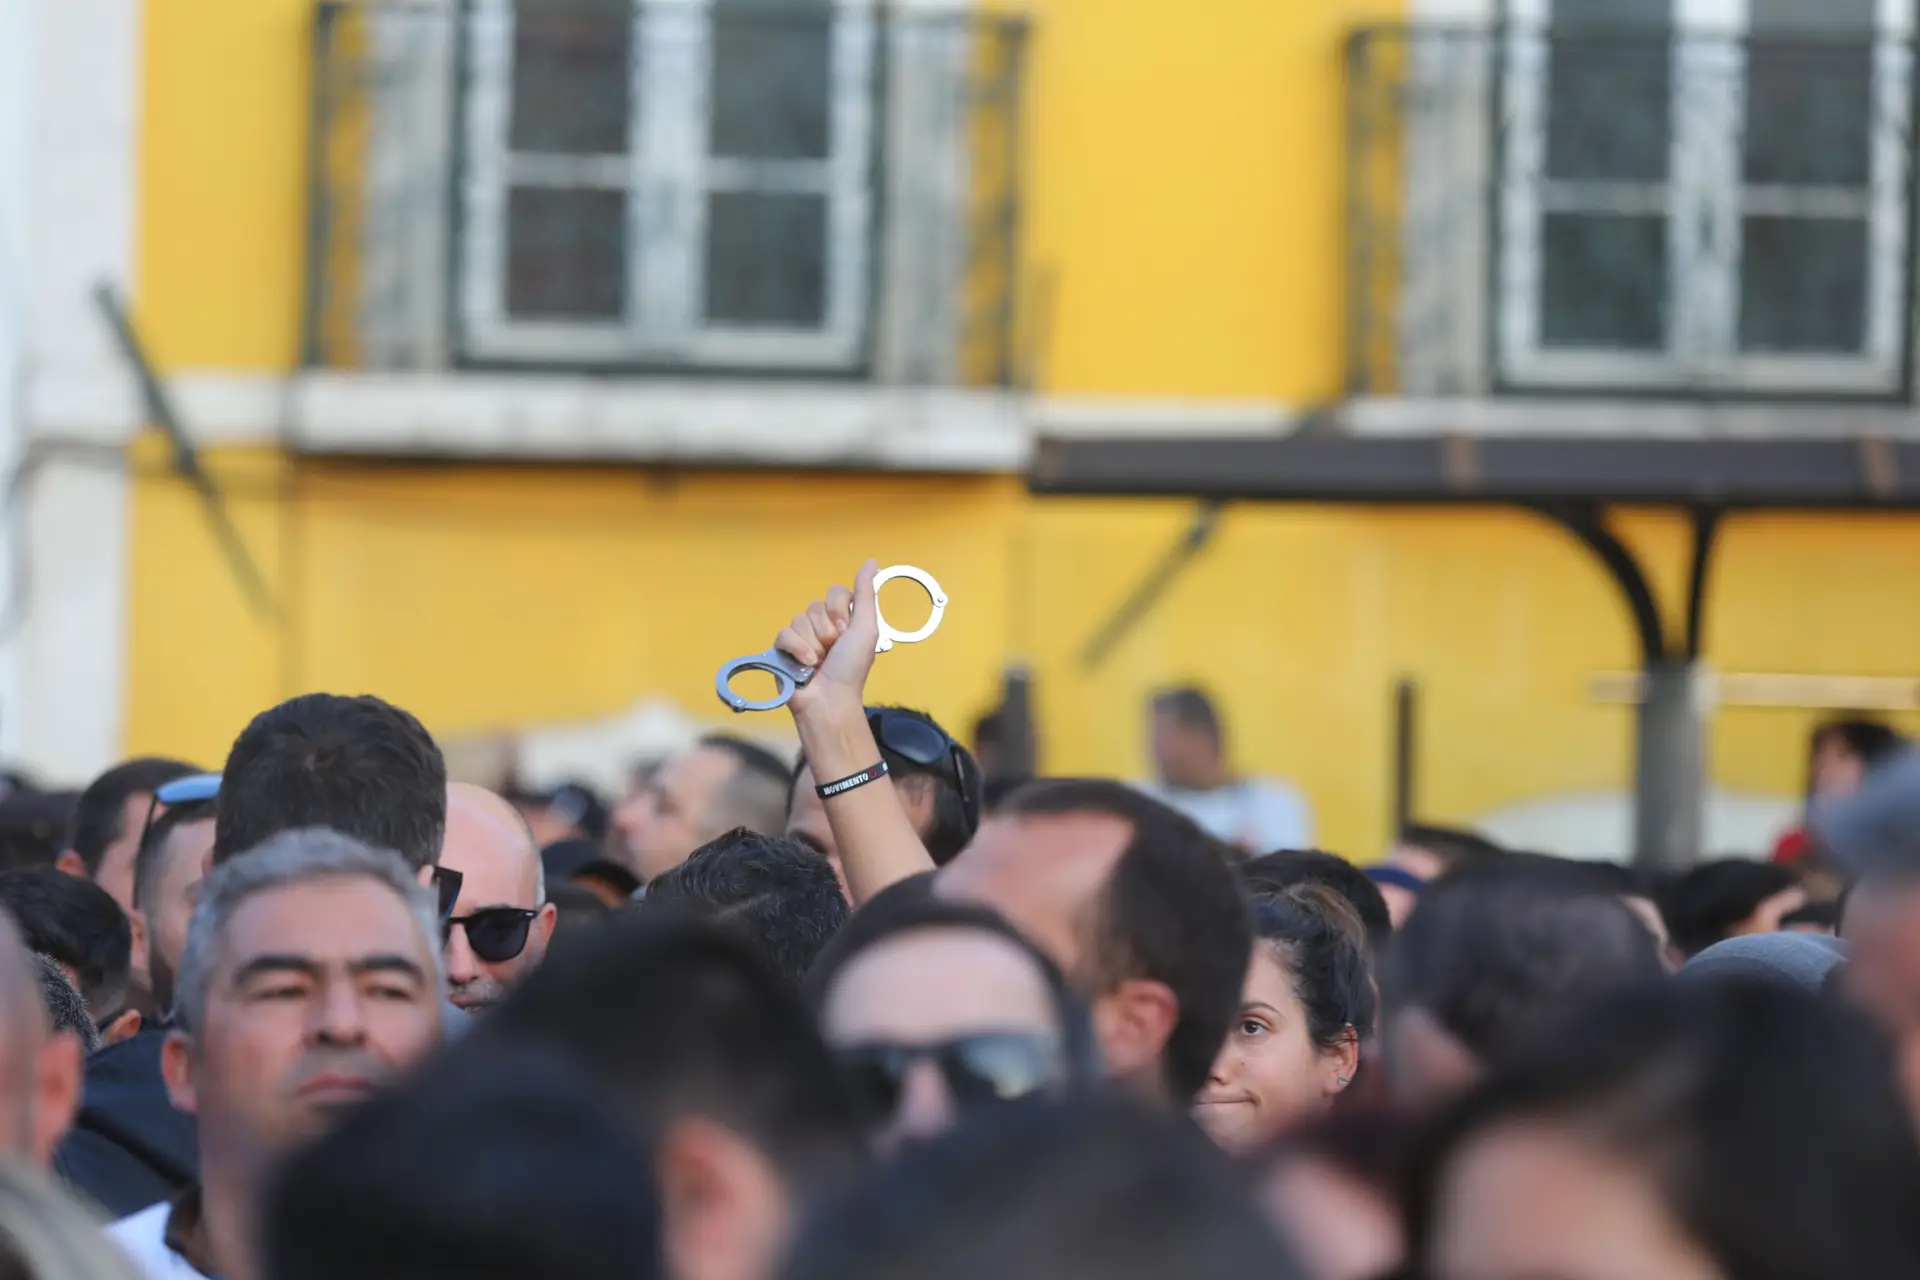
{"points": [[1533, 1201], [1270, 1073], [934, 987]]}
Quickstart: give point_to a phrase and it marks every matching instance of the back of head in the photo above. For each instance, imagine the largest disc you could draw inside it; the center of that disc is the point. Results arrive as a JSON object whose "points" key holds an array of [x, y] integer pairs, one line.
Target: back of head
{"points": [[66, 1007], [1172, 912], [1190, 708], [1767, 1119], [779, 893], [1499, 956], [1704, 904], [45, 1234], [677, 1017], [1091, 1189], [100, 814], [77, 924], [360, 766], [507, 1168], [1277, 872], [1452, 847], [755, 797]]}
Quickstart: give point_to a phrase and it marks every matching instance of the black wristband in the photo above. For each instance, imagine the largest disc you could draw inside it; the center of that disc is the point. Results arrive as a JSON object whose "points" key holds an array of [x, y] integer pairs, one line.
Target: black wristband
{"points": [[852, 782]]}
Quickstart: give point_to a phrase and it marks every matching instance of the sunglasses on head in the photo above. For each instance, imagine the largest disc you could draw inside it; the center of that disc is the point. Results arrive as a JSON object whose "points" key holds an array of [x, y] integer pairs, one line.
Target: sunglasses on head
{"points": [[197, 790], [495, 933], [1001, 1066], [915, 738]]}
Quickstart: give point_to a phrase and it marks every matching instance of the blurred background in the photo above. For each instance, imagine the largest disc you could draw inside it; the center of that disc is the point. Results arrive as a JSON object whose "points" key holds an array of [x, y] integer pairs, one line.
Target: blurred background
{"points": [[1501, 408]]}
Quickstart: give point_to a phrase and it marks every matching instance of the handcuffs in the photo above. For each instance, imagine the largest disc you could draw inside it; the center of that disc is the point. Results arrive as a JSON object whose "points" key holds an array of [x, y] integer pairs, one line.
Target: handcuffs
{"points": [[788, 674]]}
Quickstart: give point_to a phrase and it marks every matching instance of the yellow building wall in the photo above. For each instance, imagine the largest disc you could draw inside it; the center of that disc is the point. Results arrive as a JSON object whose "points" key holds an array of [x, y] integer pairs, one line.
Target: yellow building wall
{"points": [[1185, 217]]}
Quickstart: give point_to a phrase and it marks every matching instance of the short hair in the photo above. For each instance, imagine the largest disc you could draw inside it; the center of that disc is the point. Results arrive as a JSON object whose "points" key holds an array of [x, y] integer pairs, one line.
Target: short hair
{"points": [[1276, 872], [1172, 911], [780, 894], [150, 863], [1190, 708], [1769, 1122], [755, 795], [1453, 846], [1323, 947], [1040, 1190], [1703, 904], [674, 1017], [1499, 956], [99, 817], [66, 1007], [79, 925], [956, 816], [507, 1165], [360, 766], [288, 859], [1870, 740], [909, 906]]}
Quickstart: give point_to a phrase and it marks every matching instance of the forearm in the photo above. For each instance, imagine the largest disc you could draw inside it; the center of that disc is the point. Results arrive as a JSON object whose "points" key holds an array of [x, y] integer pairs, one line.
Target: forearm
{"points": [[878, 845]]}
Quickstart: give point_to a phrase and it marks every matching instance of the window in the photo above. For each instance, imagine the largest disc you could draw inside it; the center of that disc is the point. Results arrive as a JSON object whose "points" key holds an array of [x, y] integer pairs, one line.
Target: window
{"points": [[679, 182], [1705, 194]]}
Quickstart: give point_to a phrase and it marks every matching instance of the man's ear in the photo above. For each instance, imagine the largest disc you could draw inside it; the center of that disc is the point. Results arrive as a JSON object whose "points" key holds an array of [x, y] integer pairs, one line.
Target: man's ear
{"points": [[73, 864], [1133, 1022], [725, 1213], [543, 926], [125, 1025], [56, 1092], [176, 1068]]}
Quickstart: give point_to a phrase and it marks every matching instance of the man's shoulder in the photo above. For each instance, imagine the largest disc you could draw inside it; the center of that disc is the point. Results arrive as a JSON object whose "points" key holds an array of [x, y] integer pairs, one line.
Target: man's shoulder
{"points": [[143, 1238]]}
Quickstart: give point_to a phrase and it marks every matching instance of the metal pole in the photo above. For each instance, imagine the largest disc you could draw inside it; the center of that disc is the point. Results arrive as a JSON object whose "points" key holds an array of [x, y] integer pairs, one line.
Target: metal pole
{"points": [[1670, 767]]}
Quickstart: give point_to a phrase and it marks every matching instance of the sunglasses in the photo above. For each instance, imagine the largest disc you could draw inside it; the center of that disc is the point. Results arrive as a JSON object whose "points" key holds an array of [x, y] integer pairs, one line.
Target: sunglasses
{"points": [[919, 740], [979, 1070], [496, 933], [198, 790]]}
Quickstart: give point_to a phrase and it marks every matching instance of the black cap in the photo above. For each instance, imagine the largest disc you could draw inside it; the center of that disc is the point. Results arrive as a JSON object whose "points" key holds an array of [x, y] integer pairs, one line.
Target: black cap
{"points": [[583, 860]]}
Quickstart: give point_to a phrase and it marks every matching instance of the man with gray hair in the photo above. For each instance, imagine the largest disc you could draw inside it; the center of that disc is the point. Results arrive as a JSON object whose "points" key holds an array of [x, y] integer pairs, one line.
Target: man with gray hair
{"points": [[502, 920], [311, 974]]}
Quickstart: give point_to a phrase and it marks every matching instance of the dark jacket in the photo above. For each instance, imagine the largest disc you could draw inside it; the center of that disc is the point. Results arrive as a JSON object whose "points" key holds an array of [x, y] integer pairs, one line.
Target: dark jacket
{"points": [[129, 1148]]}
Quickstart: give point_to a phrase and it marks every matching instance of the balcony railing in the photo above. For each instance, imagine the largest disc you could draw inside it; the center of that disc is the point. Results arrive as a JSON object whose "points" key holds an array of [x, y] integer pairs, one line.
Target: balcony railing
{"points": [[1658, 212], [703, 187]]}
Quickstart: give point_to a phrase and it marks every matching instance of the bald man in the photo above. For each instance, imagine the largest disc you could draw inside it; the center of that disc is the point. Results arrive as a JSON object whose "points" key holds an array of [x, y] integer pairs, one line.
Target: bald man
{"points": [[39, 1068], [502, 919]]}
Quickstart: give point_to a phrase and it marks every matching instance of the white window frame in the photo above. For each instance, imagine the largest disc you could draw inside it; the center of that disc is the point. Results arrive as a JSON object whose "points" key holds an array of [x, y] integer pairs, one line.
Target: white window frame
{"points": [[1704, 202], [667, 176]]}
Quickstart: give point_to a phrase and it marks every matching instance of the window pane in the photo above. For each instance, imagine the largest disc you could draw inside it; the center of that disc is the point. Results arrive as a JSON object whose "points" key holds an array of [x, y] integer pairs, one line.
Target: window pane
{"points": [[1603, 283], [1610, 108], [1809, 114], [772, 84], [566, 254], [1803, 286], [767, 259], [572, 76]]}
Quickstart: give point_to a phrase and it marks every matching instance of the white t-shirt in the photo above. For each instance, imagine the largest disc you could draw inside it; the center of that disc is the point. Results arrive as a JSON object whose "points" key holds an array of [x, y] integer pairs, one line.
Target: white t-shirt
{"points": [[1258, 815], [143, 1238]]}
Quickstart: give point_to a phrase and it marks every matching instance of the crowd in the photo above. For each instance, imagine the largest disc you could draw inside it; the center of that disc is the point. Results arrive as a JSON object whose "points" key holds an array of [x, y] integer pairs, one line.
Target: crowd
{"points": [[877, 1013]]}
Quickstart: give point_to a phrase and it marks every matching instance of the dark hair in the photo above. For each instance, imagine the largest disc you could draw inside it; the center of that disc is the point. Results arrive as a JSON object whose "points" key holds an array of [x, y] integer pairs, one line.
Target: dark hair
{"points": [[66, 1007], [1499, 955], [503, 1168], [1769, 1119], [1870, 740], [359, 766], [676, 1016], [1172, 911], [77, 924], [1190, 708], [758, 783], [149, 865], [99, 817], [955, 817], [910, 907], [780, 894], [1453, 846], [1049, 1191], [1321, 944], [1276, 872], [1701, 906]]}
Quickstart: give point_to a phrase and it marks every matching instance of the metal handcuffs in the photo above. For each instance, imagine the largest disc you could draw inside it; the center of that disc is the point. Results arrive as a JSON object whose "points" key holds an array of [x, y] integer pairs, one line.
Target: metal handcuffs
{"points": [[788, 674]]}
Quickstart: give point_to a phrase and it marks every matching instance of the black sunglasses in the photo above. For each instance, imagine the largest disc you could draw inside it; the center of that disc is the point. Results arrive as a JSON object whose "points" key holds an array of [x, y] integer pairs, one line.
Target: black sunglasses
{"points": [[1000, 1066], [496, 934], [916, 738]]}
